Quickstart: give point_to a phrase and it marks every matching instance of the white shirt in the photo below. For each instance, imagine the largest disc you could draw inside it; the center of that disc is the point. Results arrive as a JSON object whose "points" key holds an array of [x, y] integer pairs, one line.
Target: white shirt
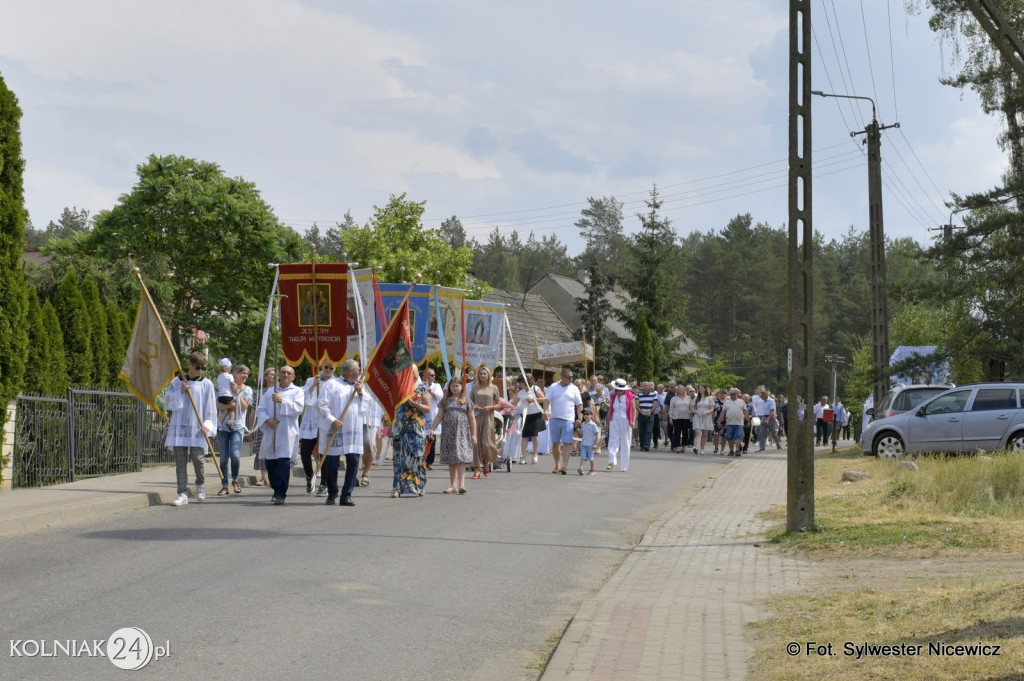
{"points": [[436, 394], [184, 430], [334, 395], [281, 442], [522, 398], [310, 428], [562, 401], [762, 407]]}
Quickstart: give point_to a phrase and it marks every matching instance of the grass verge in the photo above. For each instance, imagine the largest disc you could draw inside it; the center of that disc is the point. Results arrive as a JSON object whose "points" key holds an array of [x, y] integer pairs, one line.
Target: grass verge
{"points": [[966, 509]]}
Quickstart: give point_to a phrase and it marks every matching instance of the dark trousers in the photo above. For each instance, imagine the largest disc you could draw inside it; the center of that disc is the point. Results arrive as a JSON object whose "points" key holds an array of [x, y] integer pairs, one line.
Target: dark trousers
{"points": [[645, 426], [746, 435], [279, 472], [820, 433], [681, 429], [306, 447], [329, 475], [657, 429]]}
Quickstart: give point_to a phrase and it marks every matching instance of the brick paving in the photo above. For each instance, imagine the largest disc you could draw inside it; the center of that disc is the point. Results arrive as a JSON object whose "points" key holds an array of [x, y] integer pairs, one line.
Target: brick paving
{"points": [[680, 605]]}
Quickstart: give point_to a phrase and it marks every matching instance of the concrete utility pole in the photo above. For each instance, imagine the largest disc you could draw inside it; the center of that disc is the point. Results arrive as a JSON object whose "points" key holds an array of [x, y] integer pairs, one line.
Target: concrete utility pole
{"points": [[879, 300], [800, 433]]}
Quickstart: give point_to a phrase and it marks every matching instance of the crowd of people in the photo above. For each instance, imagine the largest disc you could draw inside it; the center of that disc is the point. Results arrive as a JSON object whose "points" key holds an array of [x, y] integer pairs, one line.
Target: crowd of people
{"points": [[333, 423]]}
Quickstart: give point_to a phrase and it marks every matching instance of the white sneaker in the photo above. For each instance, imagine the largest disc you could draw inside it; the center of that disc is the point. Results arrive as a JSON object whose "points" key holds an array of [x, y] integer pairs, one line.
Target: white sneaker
{"points": [[201, 492], [535, 458], [180, 500]]}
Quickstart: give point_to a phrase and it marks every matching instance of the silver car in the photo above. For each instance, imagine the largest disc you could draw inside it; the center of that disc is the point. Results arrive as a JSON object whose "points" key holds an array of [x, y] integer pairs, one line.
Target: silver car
{"points": [[983, 416]]}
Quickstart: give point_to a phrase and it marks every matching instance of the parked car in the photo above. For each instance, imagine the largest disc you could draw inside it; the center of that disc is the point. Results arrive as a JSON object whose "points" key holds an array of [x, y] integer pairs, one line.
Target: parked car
{"points": [[904, 398], [982, 416]]}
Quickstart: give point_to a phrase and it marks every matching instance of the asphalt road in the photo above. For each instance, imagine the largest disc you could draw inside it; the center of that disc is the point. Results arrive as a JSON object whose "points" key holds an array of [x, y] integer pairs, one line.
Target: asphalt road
{"points": [[441, 587]]}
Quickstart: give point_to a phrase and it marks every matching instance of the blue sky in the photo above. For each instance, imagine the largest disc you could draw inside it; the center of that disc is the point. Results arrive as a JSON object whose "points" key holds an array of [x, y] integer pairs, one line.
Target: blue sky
{"points": [[504, 114]]}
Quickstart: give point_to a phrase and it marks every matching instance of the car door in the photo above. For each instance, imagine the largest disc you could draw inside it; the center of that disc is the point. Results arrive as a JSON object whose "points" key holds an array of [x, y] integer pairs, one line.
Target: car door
{"points": [[937, 426], [988, 417]]}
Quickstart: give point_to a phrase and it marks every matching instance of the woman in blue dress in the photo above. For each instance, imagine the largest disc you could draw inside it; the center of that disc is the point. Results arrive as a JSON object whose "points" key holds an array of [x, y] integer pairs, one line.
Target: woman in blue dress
{"points": [[408, 437]]}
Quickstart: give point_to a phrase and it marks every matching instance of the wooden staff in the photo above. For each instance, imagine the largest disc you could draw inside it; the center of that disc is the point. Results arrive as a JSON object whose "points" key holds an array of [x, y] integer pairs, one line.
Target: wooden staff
{"points": [[181, 374], [363, 375]]}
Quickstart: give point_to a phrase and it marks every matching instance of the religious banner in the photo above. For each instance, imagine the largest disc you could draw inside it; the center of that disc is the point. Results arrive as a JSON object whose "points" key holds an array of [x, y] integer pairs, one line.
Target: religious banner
{"points": [[391, 376], [361, 295], [445, 323], [151, 362], [391, 296], [316, 320], [483, 327], [558, 354]]}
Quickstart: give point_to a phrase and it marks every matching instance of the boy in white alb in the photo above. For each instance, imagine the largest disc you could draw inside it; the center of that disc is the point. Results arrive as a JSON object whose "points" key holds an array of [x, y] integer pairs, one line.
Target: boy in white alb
{"points": [[591, 434]]}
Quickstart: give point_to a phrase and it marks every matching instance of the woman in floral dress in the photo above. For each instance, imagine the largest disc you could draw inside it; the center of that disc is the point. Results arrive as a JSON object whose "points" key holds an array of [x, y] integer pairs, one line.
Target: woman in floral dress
{"points": [[458, 434], [407, 440]]}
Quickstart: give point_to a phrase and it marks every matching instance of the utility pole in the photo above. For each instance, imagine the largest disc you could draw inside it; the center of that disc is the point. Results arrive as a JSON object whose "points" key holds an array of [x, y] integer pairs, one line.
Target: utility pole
{"points": [[879, 300], [800, 440], [834, 360]]}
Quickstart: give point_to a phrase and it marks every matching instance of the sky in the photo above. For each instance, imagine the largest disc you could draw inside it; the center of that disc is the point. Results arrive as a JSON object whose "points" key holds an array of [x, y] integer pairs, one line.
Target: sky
{"points": [[506, 115]]}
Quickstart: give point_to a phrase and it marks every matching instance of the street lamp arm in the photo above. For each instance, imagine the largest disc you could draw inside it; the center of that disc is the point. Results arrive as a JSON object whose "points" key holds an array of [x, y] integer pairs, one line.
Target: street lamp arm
{"points": [[830, 94]]}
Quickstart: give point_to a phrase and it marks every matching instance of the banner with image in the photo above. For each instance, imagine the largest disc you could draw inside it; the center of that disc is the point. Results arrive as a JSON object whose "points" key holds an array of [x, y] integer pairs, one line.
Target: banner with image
{"points": [[420, 303], [365, 336], [483, 325], [445, 323], [315, 316]]}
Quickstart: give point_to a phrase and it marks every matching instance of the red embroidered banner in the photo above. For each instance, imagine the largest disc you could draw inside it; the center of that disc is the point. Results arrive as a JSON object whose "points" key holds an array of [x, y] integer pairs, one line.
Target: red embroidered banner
{"points": [[390, 374], [315, 319]]}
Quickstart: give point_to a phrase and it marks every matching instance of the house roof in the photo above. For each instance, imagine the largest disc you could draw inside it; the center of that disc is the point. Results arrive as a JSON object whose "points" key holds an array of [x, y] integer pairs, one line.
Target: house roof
{"points": [[533, 323], [576, 289]]}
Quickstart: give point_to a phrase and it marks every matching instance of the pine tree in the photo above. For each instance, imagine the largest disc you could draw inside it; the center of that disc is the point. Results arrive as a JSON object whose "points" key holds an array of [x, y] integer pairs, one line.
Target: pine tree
{"points": [[13, 299], [54, 373], [98, 335], [647, 282], [73, 315]]}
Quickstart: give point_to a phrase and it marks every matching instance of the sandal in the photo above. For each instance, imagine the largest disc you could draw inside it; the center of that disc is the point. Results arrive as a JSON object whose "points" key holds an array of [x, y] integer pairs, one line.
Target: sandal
{"points": [[238, 490], [261, 483], [364, 481], [450, 490], [462, 490], [394, 495], [223, 492]]}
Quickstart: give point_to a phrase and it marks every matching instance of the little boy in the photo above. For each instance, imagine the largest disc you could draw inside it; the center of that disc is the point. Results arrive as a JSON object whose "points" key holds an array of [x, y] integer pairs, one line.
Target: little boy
{"points": [[591, 438], [225, 395]]}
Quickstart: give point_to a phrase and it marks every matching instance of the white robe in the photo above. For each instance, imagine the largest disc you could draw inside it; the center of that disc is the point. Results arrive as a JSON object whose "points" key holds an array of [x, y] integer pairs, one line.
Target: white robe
{"points": [[183, 430], [334, 395], [281, 442], [310, 427]]}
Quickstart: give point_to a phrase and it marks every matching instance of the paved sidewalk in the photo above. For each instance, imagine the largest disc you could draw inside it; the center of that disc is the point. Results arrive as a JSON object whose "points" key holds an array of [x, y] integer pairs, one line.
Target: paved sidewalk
{"points": [[27, 510], [680, 604]]}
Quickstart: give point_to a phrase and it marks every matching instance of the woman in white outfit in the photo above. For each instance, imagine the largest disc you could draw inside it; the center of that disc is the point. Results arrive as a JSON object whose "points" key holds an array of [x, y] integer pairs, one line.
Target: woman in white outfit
{"points": [[621, 422], [703, 420]]}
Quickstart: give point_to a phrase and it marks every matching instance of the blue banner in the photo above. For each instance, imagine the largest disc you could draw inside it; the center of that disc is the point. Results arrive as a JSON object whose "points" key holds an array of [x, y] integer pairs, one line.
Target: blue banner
{"points": [[419, 312]]}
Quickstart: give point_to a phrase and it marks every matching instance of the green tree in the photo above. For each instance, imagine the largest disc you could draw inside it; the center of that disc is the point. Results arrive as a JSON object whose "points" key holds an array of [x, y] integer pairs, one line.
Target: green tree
{"points": [[36, 357], [643, 352], [714, 375], [76, 329], [118, 342], [13, 291], [202, 241], [395, 238], [99, 333], [55, 379], [594, 309], [648, 283], [453, 232], [600, 225]]}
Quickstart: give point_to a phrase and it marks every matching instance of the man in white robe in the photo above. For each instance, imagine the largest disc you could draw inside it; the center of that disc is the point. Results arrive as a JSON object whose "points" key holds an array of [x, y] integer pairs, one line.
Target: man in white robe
{"points": [[341, 431], [186, 435], [277, 417]]}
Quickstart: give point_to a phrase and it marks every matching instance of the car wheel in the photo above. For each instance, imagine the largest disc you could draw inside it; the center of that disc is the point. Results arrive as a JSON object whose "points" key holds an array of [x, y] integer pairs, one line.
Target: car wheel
{"points": [[1016, 443], [888, 445]]}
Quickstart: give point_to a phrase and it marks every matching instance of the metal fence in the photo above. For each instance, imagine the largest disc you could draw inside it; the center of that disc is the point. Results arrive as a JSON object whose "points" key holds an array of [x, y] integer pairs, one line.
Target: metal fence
{"points": [[88, 433]]}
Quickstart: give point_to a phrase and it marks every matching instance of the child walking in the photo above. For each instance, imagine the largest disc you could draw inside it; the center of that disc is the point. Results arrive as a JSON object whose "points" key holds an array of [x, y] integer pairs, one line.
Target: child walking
{"points": [[458, 434], [591, 439]]}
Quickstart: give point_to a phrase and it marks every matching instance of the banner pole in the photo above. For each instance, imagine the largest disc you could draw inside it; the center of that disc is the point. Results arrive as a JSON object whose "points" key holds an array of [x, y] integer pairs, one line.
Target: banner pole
{"points": [[181, 373]]}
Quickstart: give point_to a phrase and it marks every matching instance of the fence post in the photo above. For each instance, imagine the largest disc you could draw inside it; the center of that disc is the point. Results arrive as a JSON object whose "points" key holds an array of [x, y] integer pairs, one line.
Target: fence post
{"points": [[71, 434], [140, 425], [7, 437]]}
